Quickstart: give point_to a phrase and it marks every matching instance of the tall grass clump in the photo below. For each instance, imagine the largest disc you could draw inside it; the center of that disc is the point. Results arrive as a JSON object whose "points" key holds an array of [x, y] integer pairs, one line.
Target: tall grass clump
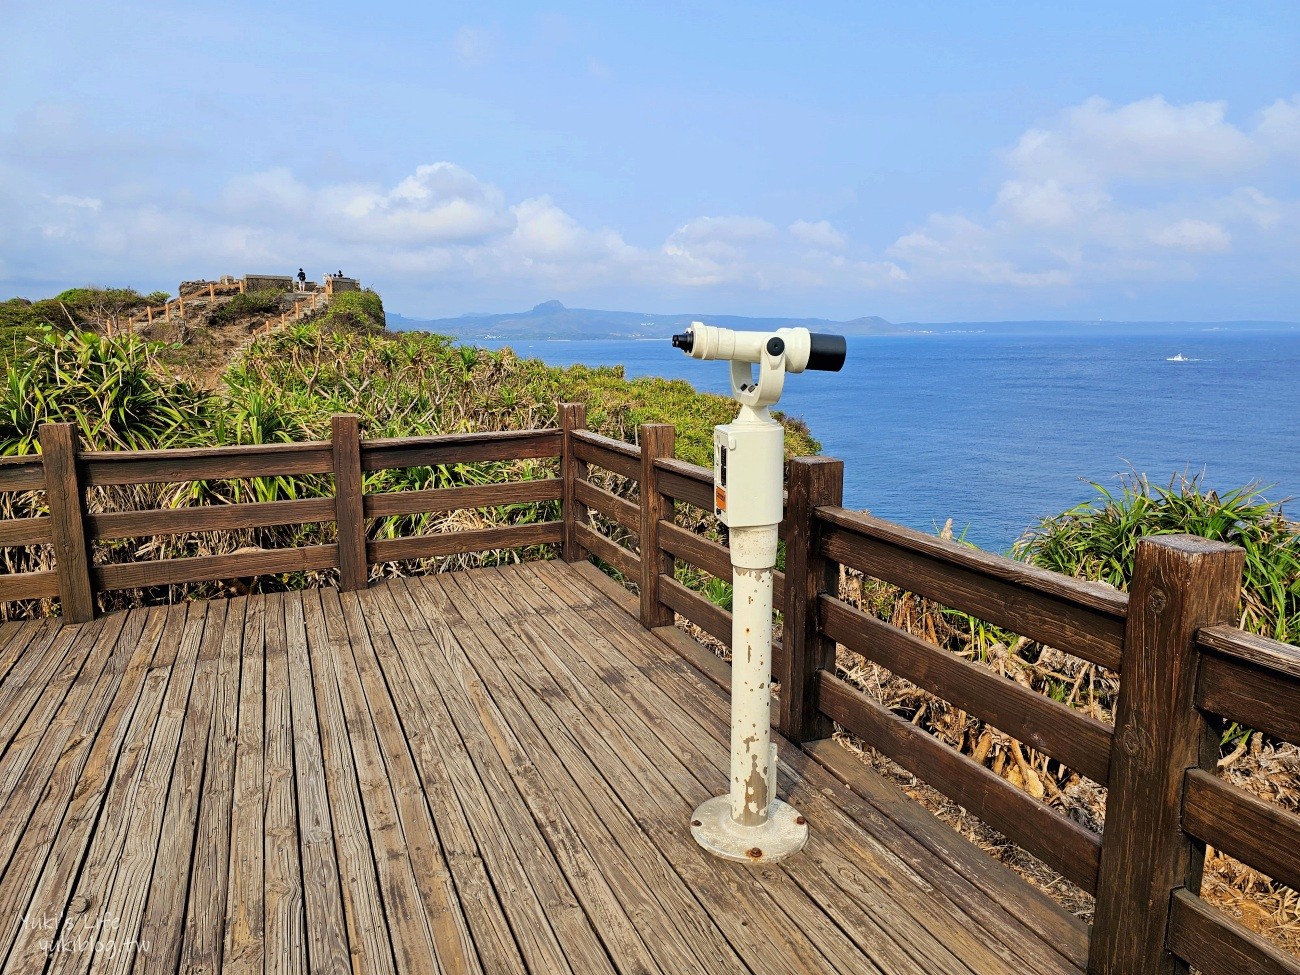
{"points": [[1098, 540]]}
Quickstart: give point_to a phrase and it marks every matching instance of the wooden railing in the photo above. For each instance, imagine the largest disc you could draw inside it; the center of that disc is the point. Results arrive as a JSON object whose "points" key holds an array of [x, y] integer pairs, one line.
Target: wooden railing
{"points": [[64, 473], [1182, 666]]}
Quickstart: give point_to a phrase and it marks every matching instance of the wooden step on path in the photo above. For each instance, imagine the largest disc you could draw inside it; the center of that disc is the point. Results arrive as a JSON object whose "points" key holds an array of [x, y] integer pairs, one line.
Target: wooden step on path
{"points": [[490, 771]]}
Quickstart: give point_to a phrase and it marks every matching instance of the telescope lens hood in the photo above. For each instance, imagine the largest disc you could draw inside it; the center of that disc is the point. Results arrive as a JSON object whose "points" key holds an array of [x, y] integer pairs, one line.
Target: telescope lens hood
{"points": [[826, 352], [685, 342]]}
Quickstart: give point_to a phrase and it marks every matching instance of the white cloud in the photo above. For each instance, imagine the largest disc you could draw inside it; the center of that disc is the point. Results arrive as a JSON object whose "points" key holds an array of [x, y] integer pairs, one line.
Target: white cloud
{"points": [[819, 234], [1141, 192]]}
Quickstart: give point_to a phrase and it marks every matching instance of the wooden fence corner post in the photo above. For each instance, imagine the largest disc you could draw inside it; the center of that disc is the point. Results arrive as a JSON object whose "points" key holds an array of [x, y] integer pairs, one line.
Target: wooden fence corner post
{"points": [[67, 500], [573, 416], [1180, 584], [657, 440], [349, 513], [813, 481]]}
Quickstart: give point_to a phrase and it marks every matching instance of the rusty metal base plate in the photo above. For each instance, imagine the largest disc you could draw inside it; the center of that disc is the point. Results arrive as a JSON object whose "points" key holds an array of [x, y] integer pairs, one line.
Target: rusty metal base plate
{"points": [[783, 835]]}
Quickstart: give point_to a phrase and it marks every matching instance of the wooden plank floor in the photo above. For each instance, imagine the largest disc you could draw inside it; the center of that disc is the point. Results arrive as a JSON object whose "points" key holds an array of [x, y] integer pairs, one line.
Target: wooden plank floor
{"points": [[489, 771]]}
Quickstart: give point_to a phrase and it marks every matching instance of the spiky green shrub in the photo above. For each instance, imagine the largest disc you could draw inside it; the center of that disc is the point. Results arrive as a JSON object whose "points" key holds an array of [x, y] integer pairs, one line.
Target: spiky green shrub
{"points": [[109, 387], [247, 303], [1098, 539]]}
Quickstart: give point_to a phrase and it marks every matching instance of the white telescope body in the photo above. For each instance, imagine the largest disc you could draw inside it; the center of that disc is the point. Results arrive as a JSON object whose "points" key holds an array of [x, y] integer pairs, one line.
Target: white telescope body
{"points": [[750, 824]]}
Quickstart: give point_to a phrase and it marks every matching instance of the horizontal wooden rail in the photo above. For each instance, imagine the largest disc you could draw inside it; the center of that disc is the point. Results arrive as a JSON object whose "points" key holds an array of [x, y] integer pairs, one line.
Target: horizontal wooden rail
{"points": [[459, 448], [460, 543], [1250, 679], [1215, 944], [1250, 648], [1082, 618], [1257, 833], [29, 585], [628, 563], [712, 619], [206, 518], [387, 504], [1071, 737], [706, 554], [613, 455], [686, 482], [1262, 698], [22, 474], [617, 509], [206, 568], [26, 531], [104, 468], [1061, 843]]}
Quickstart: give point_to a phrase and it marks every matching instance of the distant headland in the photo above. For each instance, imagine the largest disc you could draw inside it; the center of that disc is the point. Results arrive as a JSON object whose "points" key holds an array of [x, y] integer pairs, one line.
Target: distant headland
{"points": [[553, 320]]}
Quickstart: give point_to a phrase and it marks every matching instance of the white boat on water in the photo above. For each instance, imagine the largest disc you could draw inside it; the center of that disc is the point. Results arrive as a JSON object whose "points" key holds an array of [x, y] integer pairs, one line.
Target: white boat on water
{"points": [[1177, 358]]}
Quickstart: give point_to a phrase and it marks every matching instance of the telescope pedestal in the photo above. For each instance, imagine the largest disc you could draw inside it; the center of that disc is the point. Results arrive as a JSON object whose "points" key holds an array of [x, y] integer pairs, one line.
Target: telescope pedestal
{"points": [[783, 835]]}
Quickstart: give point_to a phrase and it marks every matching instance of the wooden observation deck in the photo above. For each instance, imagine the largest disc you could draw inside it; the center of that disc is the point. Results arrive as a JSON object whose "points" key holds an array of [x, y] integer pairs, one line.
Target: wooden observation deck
{"points": [[492, 770]]}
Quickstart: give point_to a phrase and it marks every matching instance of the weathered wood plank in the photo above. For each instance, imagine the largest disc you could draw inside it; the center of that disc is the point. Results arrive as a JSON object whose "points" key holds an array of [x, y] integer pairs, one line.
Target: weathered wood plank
{"points": [[1071, 737], [244, 949], [390, 503], [458, 448], [452, 942], [397, 644], [657, 440], [326, 927], [132, 654], [1083, 618], [109, 467], [1258, 833], [29, 585], [26, 531], [608, 551], [125, 901], [1251, 648], [1262, 698], [608, 454], [461, 542], [205, 568], [617, 509], [409, 924], [367, 928], [686, 482], [285, 919], [21, 474], [203, 518], [162, 926], [514, 853], [1217, 945], [1061, 843], [84, 917]]}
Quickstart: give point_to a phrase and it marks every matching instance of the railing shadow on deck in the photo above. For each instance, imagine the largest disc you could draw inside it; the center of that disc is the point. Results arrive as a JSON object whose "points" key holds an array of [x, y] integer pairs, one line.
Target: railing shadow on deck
{"points": [[1182, 665]]}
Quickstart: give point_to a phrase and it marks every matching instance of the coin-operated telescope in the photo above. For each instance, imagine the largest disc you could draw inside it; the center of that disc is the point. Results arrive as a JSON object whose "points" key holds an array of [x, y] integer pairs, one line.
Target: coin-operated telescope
{"points": [[750, 824]]}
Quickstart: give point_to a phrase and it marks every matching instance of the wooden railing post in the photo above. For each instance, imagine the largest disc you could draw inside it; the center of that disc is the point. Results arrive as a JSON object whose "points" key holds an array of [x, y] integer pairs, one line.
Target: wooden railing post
{"points": [[657, 440], [573, 416], [348, 502], [813, 481], [67, 503], [1180, 584]]}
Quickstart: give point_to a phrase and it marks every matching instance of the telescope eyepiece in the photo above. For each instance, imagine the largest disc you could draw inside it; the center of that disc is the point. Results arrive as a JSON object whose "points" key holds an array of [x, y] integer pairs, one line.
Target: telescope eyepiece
{"points": [[685, 342], [826, 352]]}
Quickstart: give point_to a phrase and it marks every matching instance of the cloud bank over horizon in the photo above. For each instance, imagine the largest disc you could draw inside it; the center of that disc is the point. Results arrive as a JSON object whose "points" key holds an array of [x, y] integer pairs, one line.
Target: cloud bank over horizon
{"points": [[1150, 206]]}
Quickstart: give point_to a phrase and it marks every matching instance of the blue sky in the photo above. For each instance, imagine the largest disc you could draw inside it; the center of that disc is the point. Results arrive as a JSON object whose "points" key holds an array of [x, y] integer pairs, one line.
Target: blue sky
{"points": [[928, 161]]}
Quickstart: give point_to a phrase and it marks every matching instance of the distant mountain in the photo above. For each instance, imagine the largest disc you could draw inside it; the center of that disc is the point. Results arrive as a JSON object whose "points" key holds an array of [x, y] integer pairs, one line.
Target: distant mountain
{"points": [[552, 320]]}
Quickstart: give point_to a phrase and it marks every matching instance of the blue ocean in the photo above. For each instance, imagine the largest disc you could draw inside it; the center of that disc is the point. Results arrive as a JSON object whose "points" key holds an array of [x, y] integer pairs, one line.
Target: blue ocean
{"points": [[997, 431]]}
